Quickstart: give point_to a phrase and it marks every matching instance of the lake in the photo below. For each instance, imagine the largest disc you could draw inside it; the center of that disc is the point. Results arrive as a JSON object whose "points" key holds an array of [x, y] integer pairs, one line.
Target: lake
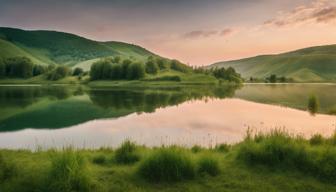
{"points": [[56, 116]]}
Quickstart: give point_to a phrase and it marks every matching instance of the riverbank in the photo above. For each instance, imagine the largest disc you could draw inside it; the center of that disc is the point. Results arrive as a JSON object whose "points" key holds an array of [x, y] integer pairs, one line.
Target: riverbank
{"points": [[269, 162]]}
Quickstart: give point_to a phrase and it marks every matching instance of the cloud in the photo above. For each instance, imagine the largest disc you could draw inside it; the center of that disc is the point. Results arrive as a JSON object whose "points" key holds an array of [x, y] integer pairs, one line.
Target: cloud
{"points": [[226, 32], [199, 34], [320, 11], [207, 33]]}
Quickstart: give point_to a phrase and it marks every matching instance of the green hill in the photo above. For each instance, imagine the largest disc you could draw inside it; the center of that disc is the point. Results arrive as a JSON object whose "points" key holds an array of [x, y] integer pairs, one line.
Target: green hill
{"points": [[314, 64], [51, 47]]}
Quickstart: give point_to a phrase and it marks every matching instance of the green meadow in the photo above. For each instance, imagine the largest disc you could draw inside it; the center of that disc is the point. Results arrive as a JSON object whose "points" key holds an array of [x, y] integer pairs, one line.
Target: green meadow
{"points": [[275, 161]]}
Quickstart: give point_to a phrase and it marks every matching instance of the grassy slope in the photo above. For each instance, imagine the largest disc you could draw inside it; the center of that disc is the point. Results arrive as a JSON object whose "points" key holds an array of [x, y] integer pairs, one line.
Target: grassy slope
{"points": [[313, 64], [50, 47], [235, 175]]}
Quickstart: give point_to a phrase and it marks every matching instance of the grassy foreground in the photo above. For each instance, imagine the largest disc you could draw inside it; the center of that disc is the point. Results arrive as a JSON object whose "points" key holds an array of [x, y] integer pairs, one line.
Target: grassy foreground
{"points": [[275, 161]]}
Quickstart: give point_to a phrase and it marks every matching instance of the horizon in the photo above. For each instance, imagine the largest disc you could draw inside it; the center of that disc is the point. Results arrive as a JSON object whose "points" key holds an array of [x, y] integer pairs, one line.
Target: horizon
{"points": [[208, 33]]}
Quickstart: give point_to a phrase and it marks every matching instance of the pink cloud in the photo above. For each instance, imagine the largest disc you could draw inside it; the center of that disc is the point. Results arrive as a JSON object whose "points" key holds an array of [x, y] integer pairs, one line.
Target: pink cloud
{"points": [[320, 11]]}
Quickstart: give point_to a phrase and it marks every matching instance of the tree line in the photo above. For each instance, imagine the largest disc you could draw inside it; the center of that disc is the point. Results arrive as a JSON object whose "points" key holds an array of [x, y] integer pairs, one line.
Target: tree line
{"points": [[117, 69], [23, 67], [228, 74]]}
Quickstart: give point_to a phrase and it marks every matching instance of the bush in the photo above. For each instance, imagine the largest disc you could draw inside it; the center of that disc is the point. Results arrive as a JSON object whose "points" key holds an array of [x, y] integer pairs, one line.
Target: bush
{"points": [[279, 150], [126, 153], [196, 149], [69, 172], [8, 169], [313, 104], [167, 165], [223, 147], [178, 66], [316, 139], [151, 67], [59, 73], [275, 149], [99, 159], [208, 165], [77, 71], [166, 78], [136, 71]]}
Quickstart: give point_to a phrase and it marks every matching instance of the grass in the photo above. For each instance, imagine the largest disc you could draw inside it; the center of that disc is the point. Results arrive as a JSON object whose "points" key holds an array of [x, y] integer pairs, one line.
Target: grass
{"points": [[69, 172], [208, 165], [167, 165], [50, 47], [314, 64], [281, 150], [275, 161], [127, 153]]}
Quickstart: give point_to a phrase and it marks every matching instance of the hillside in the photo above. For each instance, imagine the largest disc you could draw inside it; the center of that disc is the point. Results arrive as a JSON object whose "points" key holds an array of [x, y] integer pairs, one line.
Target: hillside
{"points": [[314, 64], [51, 47]]}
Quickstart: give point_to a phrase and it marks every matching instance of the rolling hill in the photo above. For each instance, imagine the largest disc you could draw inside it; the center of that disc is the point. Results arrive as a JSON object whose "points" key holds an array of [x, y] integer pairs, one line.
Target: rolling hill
{"points": [[314, 64], [51, 47]]}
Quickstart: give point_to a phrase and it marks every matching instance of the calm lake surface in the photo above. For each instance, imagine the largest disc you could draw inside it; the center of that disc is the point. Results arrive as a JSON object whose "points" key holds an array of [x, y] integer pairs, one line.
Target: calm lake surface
{"points": [[56, 116]]}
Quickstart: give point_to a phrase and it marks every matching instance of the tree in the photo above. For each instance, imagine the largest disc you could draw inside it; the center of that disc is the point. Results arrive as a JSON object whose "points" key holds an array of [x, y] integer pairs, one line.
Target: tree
{"points": [[2, 69], [178, 66], [124, 68], [59, 73], [38, 70], [19, 67], [151, 67], [116, 71], [162, 63], [96, 71], [117, 59], [77, 71], [136, 71], [273, 78], [313, 104]]}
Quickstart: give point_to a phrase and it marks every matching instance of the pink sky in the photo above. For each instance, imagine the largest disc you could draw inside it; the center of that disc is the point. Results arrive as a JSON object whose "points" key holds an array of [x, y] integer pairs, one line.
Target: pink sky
{"points": [[194, 31]]}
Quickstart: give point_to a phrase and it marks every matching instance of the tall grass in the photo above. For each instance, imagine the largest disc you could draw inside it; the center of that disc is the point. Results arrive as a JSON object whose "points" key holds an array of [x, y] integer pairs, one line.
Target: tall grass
{"points": [[167, 165], [69, 172], [8, 169], [127, 153], [208, 165], [280, 150]]}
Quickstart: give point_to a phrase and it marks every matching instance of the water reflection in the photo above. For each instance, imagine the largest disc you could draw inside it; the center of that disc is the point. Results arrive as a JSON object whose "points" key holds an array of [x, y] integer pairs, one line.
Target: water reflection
{"points": [[54, 107]]}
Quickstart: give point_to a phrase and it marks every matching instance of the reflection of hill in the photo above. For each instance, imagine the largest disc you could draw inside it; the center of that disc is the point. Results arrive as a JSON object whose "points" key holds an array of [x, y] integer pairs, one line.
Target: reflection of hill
{"points": [[58, 107]]}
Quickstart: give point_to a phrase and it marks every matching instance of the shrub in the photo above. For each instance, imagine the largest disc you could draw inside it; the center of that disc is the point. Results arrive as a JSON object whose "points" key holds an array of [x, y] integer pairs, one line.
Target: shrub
{"points": [[316, 139], [99, 159], [59, 73], [77, 71], [222, 147], [126, 153], [313, 104], [151, 67], [135, 71], [69, 172], [324, 166], [8, 169], [279, 150], [196, 149], [275, 149], [208, 165], [167, 165], [166, 78]]}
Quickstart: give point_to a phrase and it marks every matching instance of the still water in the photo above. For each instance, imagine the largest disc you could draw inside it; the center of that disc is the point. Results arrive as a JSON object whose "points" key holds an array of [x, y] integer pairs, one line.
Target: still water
{"points": [[56, 116]]}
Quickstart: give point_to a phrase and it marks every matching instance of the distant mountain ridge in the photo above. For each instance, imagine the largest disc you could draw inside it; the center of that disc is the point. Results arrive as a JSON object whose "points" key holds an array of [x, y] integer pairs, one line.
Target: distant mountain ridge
{"points": [[313, 64], [52, 47]]}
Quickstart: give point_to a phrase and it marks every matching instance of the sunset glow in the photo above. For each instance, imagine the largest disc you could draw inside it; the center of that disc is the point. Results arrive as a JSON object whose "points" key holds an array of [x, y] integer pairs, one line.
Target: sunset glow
{"points": [[196, 32]]}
